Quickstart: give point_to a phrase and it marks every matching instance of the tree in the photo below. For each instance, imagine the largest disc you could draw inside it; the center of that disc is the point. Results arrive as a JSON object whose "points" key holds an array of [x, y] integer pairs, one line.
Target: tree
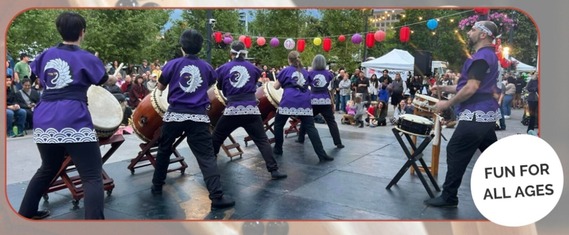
{"points": [[123, 35]]}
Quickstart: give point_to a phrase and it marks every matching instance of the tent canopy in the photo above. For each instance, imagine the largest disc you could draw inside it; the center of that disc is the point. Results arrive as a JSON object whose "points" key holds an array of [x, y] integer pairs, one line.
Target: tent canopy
{"points": [[523, 67], [396, 59]]}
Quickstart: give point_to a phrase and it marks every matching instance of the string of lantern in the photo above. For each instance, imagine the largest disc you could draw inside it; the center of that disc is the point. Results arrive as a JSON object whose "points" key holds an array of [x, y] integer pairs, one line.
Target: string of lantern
{"points": [[372, 37]]}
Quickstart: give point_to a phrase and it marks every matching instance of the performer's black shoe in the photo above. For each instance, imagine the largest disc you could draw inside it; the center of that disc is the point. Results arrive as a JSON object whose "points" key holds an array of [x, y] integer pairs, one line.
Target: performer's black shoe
{"points": [[156, 189], [41, 215], [440, 202], [298, 141], [276, 175], [277, 151], [222, 202], [340, 146], [326, 158]]}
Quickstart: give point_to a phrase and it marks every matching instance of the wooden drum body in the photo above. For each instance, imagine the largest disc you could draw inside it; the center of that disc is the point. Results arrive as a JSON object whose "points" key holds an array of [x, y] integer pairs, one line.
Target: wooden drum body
{"points": [[147, 117], [269, 98], [106, 112], [218, 103]]}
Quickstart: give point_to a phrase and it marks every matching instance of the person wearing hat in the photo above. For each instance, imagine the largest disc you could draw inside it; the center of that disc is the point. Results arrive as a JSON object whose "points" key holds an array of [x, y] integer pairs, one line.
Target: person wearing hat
{"points": [[22, 69], [237, 80], [62, 122], [152, 82], [477, 107], [188, 78]]}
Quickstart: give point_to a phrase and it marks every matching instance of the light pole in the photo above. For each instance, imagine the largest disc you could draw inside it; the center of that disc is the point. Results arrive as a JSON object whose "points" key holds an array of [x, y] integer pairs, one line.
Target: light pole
{"points": [[208, 27], [366, 31]]}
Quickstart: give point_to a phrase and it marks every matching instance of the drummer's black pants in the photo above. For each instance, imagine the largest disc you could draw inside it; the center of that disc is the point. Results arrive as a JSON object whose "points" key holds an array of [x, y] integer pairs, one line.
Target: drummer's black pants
{"points": [[466, 139], [198, 138], [307, 123], [87, 160], [253, 125], [328, 115]]}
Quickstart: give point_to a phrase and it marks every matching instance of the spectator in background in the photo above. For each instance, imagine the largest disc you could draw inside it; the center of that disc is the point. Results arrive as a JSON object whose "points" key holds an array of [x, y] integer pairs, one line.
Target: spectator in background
{"points": [[27, 98], [533, 97], [13, 110], [21, 70], [9, 70], [151, 83], [520, 84], [137, 92], [345, 90], [144, 67]]}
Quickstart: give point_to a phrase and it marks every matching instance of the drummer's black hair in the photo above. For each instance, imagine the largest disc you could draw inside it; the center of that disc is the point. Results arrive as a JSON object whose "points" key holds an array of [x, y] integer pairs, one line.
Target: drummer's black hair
{"points": [[191, 41], [70, 25]]}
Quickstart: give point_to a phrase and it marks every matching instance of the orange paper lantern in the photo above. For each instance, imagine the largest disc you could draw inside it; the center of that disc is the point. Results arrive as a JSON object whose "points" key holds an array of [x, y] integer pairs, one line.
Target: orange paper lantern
{"points": [[341, 38]]}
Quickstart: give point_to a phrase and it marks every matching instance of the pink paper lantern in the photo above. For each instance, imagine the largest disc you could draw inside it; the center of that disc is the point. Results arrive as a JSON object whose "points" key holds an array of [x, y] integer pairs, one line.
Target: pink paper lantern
{"points": [[261, 41], [274, 42], [379, 35], [242, 38], [357, 38]]}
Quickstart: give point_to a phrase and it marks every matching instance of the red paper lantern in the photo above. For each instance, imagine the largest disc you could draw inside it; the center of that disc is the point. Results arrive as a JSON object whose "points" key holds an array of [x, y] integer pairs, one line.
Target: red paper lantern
{"points": [[217, 37], [341, 38], [327, 45], [404, 34], [247, 42], [300, 44], [481, 10], [370, 41], [379, 35]]}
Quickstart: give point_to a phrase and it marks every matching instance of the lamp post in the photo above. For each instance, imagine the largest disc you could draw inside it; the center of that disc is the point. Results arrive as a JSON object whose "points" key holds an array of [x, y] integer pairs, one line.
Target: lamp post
{"points": [[208, 27], [366, 30]]}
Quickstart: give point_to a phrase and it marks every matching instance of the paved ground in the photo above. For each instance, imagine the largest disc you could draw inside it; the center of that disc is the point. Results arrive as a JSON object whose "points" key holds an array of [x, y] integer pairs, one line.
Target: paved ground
{"points": [[352, 187]]}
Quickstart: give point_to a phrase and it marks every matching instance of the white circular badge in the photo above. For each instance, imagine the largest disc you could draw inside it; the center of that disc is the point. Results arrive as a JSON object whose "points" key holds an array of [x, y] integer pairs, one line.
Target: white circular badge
{"points": [[517, 181]]}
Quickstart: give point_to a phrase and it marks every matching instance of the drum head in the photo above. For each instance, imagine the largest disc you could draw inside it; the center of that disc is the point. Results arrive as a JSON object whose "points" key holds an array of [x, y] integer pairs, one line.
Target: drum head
{"points": [[426, 97], [159, 100], [273, 94], [106, 112], [219, 95], [416, 119]]}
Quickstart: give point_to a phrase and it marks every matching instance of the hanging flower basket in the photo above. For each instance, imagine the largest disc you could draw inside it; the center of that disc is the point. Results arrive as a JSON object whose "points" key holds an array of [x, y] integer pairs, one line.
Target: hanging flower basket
{"points": [[502, 20]]}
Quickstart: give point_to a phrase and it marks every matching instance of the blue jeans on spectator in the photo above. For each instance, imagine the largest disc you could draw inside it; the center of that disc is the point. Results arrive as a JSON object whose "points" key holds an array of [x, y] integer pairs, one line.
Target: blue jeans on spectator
{"points": [[373, 97], [344, 100], [20, 120], [507, 104]]}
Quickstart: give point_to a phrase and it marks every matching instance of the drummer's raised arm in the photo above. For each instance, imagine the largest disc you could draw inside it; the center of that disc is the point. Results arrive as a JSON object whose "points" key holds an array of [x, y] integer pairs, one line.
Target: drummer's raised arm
{"points": [[277, 85]]}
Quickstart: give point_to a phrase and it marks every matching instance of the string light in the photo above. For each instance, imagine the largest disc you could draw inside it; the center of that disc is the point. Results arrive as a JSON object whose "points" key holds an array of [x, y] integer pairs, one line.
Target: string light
{"points": [[392, 27]]}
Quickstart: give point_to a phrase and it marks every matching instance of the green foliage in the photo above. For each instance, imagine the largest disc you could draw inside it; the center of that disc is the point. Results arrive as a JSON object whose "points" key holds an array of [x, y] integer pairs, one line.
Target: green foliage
{"points": [[122, 35]]}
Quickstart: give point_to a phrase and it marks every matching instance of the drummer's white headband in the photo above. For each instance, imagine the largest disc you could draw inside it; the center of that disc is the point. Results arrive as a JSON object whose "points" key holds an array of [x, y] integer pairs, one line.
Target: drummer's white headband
{"points": [[484, 29], [239, 52]]}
